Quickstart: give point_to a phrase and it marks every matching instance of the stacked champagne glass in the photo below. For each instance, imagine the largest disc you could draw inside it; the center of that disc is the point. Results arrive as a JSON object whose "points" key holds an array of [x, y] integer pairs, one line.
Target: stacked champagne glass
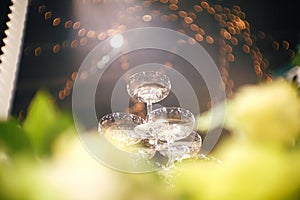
{"points": [[166, 135]]}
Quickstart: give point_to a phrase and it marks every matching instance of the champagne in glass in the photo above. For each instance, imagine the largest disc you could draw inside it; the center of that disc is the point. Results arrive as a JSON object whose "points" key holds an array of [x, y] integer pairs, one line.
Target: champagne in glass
{"points": [[178, 123], [118, 129], [149, 87]]}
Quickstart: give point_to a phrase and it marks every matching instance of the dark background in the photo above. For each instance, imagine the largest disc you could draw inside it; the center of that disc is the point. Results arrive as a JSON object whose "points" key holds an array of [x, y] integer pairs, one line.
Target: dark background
{"points": [[52, 71]]}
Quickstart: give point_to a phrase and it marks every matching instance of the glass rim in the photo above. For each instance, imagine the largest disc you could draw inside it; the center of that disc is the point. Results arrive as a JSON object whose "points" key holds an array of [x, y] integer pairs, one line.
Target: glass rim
{"points": [[173, 108], [122, 114], [168, 109], [149, 72]]}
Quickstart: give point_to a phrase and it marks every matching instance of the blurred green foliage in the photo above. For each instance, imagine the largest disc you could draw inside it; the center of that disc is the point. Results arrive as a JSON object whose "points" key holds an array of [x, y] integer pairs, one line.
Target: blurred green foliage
{"points": [[42, 157], [23, 145], [44, 123], [13, 139], [296, 59]]}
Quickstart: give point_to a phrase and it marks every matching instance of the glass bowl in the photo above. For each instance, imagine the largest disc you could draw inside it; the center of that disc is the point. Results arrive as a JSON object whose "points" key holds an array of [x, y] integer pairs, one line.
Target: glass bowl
{"points": [[118, 129], [188, 147], [171, 123]]}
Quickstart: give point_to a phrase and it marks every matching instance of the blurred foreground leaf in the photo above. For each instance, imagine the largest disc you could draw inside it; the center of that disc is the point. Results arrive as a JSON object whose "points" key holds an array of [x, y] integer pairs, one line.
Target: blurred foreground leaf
{"points": [[45, 122], [13, 139], [249, 168], [267, 113], [296, 59], [25, 180], [248, 171]]}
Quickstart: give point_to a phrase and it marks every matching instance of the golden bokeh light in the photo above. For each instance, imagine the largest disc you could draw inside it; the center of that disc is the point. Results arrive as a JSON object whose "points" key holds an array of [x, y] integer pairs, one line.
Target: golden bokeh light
{"points": [[246, 48], [228, 48], [68, 24], [209, 39], [83, 41], [194, 27], [101, 36], [218, 8], [232, 32], [204, 4], [41, 9], [147, 18], [83, 75], [48, 15], [188, 20], [91, 34], [56, 21], [230, 57], [218, 17], [173, 1], [37, 51], [222, 23], [291, 53], [67, 92], [164, 1], [198, 8], [164, 18], [234, 41], [182, 14], [74, 44], [125, 66], [69, 84], [211, 10], [201, 31], [130, 10], [76, 25], [61, 95], [173, 17], [192, 41], [56, 48], [147, 3], [199, 37], [173, 7], [168, 64], [285, 44], [192, 15], [275, 45], [261, 35], [74, 76], [81, 32]]}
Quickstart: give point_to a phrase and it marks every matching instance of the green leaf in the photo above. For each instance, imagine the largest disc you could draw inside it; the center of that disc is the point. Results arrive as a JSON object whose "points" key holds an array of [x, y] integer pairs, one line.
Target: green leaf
{"points": [[13, 139], [296, 59], [45, 122]]}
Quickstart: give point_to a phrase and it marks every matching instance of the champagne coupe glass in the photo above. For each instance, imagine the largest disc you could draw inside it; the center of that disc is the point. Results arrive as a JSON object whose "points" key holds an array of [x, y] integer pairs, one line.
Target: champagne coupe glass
{"points": [[185, 148], [173, 136], [176, 123], [149, 87], [118, 129]]}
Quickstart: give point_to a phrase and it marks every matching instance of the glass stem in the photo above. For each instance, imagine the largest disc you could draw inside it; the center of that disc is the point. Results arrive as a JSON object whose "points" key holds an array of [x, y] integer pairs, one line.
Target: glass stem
{"points": [[149, 109], [170, 156]]}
